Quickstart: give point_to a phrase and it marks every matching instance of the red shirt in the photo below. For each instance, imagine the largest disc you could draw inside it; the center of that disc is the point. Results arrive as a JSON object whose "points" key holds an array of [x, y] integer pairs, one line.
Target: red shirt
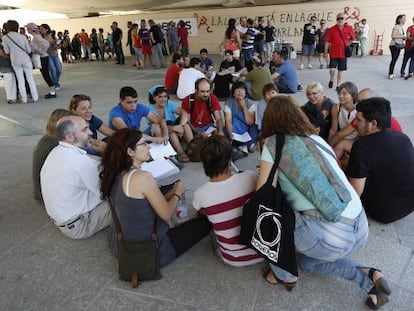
{"points": [[395, 126], [84, 38], [183, 35], [408, 43], [201, 116], [337, 49], [171, 78]]}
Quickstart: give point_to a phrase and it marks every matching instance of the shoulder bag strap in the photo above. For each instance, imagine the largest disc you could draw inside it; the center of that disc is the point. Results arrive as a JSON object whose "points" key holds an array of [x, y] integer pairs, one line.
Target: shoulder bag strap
{"points": [[280, 141], [17, 44], [341, 37], [330, 152]]}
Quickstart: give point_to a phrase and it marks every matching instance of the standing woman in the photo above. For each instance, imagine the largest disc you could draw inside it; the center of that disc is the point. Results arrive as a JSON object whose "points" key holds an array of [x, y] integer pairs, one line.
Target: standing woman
{"points": [[232, 39], [55, 67], [173, 117], [397, 42], [18, 48], [320, 43], [138, 202], [136, 45], [6, 70], [183, 37], [323, 247]]}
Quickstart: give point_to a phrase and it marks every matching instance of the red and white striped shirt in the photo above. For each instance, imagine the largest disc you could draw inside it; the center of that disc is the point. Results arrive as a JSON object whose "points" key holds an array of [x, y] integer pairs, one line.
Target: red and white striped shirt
{"points": [[222, 202]]}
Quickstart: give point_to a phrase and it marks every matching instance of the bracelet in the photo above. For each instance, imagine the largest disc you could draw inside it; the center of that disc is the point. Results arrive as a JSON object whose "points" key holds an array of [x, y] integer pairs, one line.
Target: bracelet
{"points": [[176, 195]]}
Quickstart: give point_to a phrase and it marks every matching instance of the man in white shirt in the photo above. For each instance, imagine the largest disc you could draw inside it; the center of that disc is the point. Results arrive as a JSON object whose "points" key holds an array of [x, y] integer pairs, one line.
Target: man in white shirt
{"points": [[70, 183], [364, 35], [188, 77]]}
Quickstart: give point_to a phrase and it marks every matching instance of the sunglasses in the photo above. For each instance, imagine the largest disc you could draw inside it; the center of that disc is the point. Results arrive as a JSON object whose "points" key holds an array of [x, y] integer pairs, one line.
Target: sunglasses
{"points": [[340, 18]]}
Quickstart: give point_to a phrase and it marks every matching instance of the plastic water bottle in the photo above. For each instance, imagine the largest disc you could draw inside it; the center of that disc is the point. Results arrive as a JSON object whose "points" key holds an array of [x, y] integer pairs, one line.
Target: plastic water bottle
{"points": [[181, 212]]}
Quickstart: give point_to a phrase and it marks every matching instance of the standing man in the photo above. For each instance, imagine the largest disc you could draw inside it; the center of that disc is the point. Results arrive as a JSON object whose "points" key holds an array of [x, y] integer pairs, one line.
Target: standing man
{"points": [[129, 42], [248, 44], [202, 106], [70, 183], [86, 45], [117, 38], [364, 35], [338, 37], [308, 42], [156, 39], [381, 164]]}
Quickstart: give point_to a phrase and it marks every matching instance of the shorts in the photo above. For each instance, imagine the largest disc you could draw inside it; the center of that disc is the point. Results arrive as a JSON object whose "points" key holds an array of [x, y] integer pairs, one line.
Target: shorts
{"points": [[320, 48], [258, 46], [146, 50], [339, 63], [236, 54], [308, 49]]}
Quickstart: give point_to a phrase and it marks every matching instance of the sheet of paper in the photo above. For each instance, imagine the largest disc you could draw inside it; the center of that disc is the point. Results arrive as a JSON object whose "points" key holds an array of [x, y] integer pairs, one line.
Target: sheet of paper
{"points": [[159, 151], [243, 138], [210, 130], [160, 168]]}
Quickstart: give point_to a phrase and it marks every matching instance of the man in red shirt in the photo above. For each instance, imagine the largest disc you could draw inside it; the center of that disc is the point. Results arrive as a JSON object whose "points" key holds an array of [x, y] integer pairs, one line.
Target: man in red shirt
{"points": [[202, 106], [338, 37], [408, 53], [173, 73]]}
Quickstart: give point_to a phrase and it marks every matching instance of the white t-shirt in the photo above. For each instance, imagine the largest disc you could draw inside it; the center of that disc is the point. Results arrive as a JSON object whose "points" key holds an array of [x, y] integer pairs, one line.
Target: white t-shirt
{"points": [[186, 82]]}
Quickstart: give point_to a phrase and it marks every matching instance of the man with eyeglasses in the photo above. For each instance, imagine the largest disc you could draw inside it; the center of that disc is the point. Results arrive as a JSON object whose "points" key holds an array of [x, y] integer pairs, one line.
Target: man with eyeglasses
{"points": [[338, 37], [70, 183], [308, 42]]}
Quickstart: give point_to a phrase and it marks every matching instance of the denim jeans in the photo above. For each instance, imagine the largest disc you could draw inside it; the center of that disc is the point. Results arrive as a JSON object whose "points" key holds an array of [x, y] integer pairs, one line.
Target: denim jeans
{"points": [[159, 56], [55, 69], [322, 248], [120, 59]]}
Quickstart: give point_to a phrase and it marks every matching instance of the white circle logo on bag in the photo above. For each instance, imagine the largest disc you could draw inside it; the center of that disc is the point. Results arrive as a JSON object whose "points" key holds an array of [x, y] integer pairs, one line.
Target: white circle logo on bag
{"points": [[268, 232]]}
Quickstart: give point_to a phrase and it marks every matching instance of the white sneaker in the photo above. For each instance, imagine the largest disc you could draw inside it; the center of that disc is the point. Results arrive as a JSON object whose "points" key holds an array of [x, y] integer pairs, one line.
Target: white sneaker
{"points": [[310, 66], [301, 67], [391, 77]]}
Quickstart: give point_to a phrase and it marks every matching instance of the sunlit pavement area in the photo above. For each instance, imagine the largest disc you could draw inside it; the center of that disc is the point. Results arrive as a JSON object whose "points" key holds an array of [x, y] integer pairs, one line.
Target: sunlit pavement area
{"points": [[40, 269]]}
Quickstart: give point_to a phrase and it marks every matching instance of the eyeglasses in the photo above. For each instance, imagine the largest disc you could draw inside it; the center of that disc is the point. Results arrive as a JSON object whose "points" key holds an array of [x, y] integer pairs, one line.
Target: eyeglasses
{"points": [[145, 143], [340, 18]]}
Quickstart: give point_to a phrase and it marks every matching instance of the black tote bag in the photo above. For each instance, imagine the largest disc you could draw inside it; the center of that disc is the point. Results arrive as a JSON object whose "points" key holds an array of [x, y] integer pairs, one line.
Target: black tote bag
{"points": [[268, 222]]}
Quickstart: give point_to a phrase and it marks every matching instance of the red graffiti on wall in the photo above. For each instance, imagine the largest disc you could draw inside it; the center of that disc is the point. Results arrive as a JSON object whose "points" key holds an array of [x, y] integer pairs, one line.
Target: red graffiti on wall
{"points": [[351, 15], [203, 22]]}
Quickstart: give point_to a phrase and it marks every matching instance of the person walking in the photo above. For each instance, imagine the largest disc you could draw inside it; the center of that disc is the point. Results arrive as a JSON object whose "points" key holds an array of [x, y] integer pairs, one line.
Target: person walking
{"points": [[308, 42], [338, 38]]}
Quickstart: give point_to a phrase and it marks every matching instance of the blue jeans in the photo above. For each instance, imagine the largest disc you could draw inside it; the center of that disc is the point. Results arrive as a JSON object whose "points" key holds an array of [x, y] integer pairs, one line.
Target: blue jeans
{"points": [[159, 56], [120, 59], [55, 69], [323, 247]]}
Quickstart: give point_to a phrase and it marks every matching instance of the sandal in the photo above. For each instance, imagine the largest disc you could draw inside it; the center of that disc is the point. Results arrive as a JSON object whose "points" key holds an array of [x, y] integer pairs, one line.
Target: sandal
{"points": [[382, 299], [381, 290], [288, 285], [183, 158], [381, 285]]}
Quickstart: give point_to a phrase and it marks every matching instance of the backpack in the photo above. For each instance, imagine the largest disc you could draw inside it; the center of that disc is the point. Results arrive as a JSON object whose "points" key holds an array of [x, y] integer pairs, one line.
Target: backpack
{"points": [[192, 104]]}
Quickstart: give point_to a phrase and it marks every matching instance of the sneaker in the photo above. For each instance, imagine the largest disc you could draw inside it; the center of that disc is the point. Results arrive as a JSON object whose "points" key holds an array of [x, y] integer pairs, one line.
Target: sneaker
{"points": [[301, 67], [57, 88], [50, 95], [390, 77], [300, 88], [330, 84], [310, 66], [243, 148], [252, 148], [320, 66]]}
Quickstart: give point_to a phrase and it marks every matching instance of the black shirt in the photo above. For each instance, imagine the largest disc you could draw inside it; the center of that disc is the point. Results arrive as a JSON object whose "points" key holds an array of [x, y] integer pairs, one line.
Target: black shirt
{"points": [[386, 159]]}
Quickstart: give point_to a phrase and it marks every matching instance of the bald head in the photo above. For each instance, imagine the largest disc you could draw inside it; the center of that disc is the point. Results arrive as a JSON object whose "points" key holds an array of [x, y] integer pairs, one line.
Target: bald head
{"points": [[367, 93]]}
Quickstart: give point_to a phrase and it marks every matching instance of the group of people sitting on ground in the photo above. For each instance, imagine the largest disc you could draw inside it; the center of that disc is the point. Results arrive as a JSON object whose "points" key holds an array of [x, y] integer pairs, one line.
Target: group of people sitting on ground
{"points": [[76, 188]]}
